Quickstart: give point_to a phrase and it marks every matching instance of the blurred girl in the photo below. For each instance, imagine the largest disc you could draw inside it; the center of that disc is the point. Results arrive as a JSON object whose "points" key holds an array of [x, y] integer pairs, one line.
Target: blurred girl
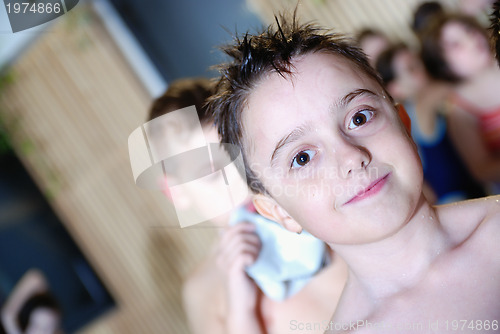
{"points": [[456, 49]]}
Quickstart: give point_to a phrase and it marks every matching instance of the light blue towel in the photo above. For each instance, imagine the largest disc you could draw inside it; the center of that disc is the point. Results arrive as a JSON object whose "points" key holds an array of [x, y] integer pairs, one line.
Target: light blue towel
{"points": [[287, 260]]}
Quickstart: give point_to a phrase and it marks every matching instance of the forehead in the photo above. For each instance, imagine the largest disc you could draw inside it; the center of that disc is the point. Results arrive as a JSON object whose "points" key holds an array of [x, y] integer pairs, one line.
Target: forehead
{"points": [[317, 81], [451, 27], [315, 77], [456, 29]]}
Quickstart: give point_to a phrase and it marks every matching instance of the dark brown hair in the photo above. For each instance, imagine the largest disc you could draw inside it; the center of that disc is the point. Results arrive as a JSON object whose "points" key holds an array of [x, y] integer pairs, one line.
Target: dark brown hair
{"points": [[495, 29], [385, 63], [184, 93], [432, 52], [37, 301], [424, 14], [272, 51]]}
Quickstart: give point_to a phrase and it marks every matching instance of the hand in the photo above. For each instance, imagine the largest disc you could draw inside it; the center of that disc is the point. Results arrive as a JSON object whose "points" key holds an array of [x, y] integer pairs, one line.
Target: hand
{"points": [[238, 248]]}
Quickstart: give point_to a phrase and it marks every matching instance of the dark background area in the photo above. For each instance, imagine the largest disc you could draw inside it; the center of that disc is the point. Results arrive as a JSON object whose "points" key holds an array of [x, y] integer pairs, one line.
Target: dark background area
{"points": [[32, 236], [182, 37]]}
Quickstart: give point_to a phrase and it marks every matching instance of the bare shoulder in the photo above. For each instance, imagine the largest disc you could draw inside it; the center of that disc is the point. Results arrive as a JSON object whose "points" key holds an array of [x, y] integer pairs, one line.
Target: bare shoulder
{"points": [[462, 220]]}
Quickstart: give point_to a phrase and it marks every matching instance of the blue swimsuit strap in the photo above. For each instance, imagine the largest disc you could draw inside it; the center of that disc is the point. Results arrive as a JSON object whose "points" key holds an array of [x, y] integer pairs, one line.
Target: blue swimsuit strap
{"points": [[419, 136]]}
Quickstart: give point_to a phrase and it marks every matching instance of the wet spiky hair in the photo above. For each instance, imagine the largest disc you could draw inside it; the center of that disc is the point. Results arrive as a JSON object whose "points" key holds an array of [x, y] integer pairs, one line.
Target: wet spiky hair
{"points": [[272, 51], [495, 28]]}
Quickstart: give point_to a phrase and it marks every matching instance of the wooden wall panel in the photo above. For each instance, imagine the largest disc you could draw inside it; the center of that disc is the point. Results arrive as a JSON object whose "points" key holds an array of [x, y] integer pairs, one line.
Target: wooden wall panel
{"points": [[70, 109]]}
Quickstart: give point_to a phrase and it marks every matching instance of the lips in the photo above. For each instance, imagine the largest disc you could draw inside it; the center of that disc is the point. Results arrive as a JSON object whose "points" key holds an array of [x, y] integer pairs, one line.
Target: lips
{"points": [[369, 191]]}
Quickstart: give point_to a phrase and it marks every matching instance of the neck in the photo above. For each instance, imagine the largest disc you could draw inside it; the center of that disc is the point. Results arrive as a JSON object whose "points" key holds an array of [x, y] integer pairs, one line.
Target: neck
{"points": [[396, 263], [421, 90]]}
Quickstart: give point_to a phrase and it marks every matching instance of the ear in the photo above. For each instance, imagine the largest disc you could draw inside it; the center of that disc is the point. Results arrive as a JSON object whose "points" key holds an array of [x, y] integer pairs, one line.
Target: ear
{"points": [[403, 115], [271, 210]]}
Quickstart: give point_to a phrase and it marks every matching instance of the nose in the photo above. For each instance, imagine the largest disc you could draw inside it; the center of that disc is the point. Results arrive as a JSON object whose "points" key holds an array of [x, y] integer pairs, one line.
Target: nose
{"points": [[352, 158]]}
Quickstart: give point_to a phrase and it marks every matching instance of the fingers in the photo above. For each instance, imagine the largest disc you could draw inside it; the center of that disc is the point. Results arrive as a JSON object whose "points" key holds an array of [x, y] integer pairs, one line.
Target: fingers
{"points": [[242, 255], [237, 234], [238, 247], [237, 229]]}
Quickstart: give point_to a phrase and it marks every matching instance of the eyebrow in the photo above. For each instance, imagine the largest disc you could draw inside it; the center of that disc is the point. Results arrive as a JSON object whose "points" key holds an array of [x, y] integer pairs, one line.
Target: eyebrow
{"points": [[299, 131], [345, 100], [287, 140]]}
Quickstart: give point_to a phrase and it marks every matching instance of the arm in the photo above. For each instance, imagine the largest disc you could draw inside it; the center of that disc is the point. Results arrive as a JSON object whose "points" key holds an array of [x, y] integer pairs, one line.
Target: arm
{"points": [[202, 300], [237, 248], [31, 283], [465, 135]]}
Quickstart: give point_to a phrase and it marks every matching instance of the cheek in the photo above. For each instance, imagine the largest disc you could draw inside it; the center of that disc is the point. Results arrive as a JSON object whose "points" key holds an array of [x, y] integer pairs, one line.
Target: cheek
{"points": [[462, 65], [316, 215], [454, 59], [466, 61], [401, 151], [409, 165], [310, 202]]}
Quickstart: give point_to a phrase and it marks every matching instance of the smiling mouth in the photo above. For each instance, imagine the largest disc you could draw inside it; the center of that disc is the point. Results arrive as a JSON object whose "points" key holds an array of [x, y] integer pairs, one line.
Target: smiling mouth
{"points": [[369, 191]]}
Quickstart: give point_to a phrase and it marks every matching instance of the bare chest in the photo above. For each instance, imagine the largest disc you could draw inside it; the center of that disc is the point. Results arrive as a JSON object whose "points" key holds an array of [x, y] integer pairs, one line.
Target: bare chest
{"points": [[460, 294], [304, 314], [310, 310]]}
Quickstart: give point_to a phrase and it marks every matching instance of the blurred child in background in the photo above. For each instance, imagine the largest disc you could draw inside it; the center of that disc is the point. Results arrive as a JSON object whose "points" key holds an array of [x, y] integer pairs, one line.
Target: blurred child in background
{"points": [[456, 49], [373, 43], [31, 308]]}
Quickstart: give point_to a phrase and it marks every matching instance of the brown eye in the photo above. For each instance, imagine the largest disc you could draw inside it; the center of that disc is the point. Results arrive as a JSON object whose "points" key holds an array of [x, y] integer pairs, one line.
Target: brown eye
{"points": [[360, 118], [302, 158]]}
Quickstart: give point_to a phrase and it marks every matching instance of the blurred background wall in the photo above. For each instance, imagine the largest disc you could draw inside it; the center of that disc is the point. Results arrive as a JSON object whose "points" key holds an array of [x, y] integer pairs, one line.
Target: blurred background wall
{"points": [[182, 36]]}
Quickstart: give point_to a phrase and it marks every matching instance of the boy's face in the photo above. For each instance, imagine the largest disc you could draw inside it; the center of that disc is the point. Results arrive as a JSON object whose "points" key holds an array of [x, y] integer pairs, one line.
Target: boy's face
{"points": [[332, 152]]}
